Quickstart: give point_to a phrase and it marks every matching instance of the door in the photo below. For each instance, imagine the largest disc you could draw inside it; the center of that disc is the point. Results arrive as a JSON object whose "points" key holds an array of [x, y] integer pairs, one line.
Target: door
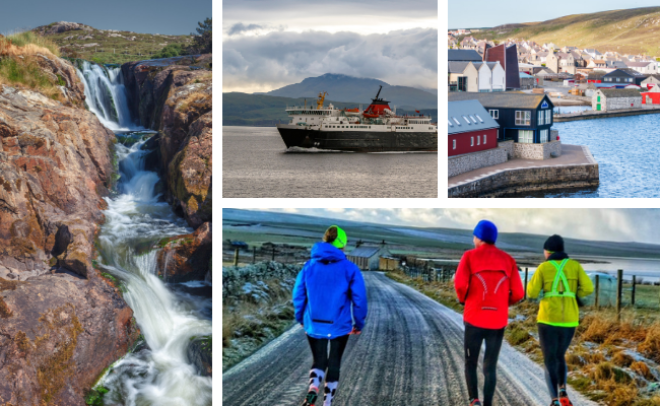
{"points": [[598, 107]]}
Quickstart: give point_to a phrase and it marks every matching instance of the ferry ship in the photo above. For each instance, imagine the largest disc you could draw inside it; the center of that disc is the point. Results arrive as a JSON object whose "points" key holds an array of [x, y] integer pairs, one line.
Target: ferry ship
{"points": [[375, 129]]}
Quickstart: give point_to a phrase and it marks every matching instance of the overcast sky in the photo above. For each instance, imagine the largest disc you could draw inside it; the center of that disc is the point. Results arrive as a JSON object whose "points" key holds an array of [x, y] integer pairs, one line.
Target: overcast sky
{"points": [[269, 44], [640, 225], [488, 13], [172, 17]]}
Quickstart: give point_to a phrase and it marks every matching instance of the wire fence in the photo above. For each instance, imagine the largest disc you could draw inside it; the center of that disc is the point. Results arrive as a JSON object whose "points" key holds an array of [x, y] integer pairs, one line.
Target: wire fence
{"points": [[620, 291]]}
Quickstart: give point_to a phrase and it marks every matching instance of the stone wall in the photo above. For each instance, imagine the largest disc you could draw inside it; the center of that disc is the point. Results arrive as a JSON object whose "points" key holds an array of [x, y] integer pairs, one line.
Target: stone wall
{"points": [[468, 162], [525, 180], [507, 146], [536, 151]]}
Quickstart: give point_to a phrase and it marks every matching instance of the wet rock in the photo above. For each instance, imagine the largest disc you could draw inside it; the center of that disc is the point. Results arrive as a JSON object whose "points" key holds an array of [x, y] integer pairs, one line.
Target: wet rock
{"points": [[174, 96], [186, 257], [60, 336], [58, 330], [200, 355]]}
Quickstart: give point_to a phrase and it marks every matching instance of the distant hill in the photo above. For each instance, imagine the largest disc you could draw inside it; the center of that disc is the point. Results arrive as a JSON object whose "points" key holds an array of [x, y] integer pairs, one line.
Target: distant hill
{"points": [[627, 31], [260, 110], [351, 89], [107, 46], [288, 225]]}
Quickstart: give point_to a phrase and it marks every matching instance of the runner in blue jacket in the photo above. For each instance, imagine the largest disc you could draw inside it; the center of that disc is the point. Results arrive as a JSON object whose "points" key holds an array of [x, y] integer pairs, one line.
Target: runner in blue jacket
{"points": [[327, 288]]}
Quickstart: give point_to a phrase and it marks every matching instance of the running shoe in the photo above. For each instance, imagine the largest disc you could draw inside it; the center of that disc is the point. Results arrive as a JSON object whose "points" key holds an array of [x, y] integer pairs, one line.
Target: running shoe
{"points": [[563, 398], [555, 402], [310, 399], [475, 402]]}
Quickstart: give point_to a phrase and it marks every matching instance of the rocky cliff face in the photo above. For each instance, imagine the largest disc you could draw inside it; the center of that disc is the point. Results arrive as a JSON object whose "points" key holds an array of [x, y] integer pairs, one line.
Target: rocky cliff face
{"points": [[61, 323], [174, 96]]}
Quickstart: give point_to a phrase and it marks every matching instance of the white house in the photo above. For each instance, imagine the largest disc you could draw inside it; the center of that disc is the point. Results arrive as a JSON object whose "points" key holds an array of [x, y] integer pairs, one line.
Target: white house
{"points": [[616, 99], [648, 68]]}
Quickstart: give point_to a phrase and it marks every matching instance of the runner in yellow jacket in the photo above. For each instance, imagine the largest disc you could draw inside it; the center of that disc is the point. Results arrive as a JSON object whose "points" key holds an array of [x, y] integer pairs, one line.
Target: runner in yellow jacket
{"points": [[562, 281]]}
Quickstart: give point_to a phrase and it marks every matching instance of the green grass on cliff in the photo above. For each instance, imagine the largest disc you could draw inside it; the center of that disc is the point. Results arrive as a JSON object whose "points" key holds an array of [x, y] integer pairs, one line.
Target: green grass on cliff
{"points": [[21, 39], [116, 46], [626, 31]]}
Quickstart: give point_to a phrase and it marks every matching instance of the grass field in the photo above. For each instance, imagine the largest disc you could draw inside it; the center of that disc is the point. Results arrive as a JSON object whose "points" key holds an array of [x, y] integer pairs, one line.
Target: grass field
{"points": [[632, 31]]}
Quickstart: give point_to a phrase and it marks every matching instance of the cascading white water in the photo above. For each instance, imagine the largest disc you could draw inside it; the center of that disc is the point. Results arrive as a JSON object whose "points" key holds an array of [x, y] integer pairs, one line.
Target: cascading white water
{"points": [[160, 375], [105, 95]]}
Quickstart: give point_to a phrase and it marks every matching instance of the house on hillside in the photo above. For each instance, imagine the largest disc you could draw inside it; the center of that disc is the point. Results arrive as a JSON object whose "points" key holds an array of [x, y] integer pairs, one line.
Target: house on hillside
{"points": [[624, 76], [615, 99], [646, 68], [524, 118], [470, 128], [367, 258]]}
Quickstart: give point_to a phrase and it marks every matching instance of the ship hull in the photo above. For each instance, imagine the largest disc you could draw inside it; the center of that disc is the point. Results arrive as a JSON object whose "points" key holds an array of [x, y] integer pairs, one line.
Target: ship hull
{"points": [[358, 141]]}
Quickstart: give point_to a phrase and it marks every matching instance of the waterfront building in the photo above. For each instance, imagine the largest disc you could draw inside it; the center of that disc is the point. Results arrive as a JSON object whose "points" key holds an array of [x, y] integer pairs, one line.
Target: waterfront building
{"points": [[624, 76], [508, 58], [523, 118], [471, 128], [616, 99], [651, 96]]}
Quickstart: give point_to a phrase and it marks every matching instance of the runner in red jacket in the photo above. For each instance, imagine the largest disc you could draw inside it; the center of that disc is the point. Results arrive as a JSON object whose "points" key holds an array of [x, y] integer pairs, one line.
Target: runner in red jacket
{"points": [[487, 282]]}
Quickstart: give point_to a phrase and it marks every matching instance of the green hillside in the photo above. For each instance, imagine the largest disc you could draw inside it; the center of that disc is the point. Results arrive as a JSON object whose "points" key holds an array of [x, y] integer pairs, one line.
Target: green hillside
{"points": [[108, 46], [258, 110], [631, 31]]}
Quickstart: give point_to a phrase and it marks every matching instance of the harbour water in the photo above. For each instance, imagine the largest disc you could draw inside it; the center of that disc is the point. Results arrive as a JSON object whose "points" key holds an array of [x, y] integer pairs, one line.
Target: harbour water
{"points": [[627, 151], [256, 163]]}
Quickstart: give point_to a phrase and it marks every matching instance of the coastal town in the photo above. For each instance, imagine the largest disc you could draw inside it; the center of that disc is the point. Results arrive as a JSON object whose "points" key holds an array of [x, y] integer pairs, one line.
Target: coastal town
{"points": [[505, 97]]}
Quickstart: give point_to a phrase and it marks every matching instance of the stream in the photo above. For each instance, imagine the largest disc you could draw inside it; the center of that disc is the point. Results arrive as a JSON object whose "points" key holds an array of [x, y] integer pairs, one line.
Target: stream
{"points": [[157, 372]]}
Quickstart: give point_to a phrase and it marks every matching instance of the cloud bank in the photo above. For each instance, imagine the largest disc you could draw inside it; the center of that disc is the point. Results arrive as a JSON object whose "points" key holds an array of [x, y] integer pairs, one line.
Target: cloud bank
{"points": [[279, 58], [623, 225]]}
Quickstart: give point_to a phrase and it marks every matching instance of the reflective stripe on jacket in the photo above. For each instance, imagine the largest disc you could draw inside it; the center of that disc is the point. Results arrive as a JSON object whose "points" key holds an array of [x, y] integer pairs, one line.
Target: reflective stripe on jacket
{"points": [[559, 310]]}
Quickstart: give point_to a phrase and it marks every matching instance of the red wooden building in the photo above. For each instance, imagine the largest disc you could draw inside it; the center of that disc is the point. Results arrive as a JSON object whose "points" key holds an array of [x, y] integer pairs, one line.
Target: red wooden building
{"points": [[471, 128]]}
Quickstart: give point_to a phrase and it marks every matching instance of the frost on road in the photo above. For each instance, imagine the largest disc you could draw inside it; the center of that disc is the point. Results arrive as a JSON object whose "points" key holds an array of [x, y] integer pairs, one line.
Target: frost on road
{"points": [[410, 353]]}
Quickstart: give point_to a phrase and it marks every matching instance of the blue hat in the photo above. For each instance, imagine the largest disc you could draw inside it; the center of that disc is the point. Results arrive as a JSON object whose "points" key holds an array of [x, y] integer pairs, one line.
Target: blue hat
{"points": [[486, 231]]}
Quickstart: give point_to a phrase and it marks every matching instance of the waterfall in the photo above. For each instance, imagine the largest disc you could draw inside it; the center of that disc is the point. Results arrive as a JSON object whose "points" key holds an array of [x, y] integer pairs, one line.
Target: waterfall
{"points": [[160, 375], [105, 95]]}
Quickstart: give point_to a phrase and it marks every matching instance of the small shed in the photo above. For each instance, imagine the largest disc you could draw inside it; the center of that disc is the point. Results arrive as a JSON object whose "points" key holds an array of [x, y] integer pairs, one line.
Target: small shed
{"points": [[651, 96], [526, 81], [616, 99], [389, 264], [368, 258]]}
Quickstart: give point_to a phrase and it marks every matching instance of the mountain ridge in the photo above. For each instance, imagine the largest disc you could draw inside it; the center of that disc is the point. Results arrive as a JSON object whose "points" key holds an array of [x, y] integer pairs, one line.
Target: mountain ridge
{"points": [[346, 88]]}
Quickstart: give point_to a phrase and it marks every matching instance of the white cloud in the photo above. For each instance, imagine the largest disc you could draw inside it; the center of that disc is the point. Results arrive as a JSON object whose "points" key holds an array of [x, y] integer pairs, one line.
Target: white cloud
{"points": [[279, 58]]}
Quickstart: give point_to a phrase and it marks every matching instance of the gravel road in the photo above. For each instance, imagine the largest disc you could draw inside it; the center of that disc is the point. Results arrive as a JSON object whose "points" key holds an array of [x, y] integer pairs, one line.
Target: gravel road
{"points": [[410, 353]]}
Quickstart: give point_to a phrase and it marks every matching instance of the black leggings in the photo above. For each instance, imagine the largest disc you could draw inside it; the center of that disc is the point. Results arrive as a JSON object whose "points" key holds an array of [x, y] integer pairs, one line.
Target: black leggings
{"points": [[474, 337], [554, 343], [324, 362]]}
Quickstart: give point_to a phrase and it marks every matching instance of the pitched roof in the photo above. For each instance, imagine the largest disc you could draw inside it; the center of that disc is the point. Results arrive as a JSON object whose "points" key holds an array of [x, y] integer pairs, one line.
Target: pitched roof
{"points": [[491, 65], [469, 115], [620, 92], [638, 64], [630, 72], [457, 67], [464, 55], [364, 252], [513, 100]]}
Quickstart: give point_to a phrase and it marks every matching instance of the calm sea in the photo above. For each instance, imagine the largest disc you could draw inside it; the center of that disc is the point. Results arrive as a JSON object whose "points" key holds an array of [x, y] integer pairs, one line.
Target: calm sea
{"points": [[256, 163], [627, 151]]}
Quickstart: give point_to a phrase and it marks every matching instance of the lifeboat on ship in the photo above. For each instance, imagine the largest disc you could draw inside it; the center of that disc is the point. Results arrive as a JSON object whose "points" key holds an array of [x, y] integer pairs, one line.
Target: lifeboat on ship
{"points": [[352, 112]]}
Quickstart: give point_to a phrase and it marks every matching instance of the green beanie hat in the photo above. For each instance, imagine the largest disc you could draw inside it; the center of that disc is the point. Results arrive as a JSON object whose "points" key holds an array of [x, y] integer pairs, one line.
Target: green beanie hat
{"points": [[341, 240]]}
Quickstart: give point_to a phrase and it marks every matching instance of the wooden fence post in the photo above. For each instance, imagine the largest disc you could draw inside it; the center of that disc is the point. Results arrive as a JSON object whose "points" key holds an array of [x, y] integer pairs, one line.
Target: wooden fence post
{"points": [[525, 285], [236, 257], [619, 291], [632, 297], [597, 290], [272, 258], [254, 255]]}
